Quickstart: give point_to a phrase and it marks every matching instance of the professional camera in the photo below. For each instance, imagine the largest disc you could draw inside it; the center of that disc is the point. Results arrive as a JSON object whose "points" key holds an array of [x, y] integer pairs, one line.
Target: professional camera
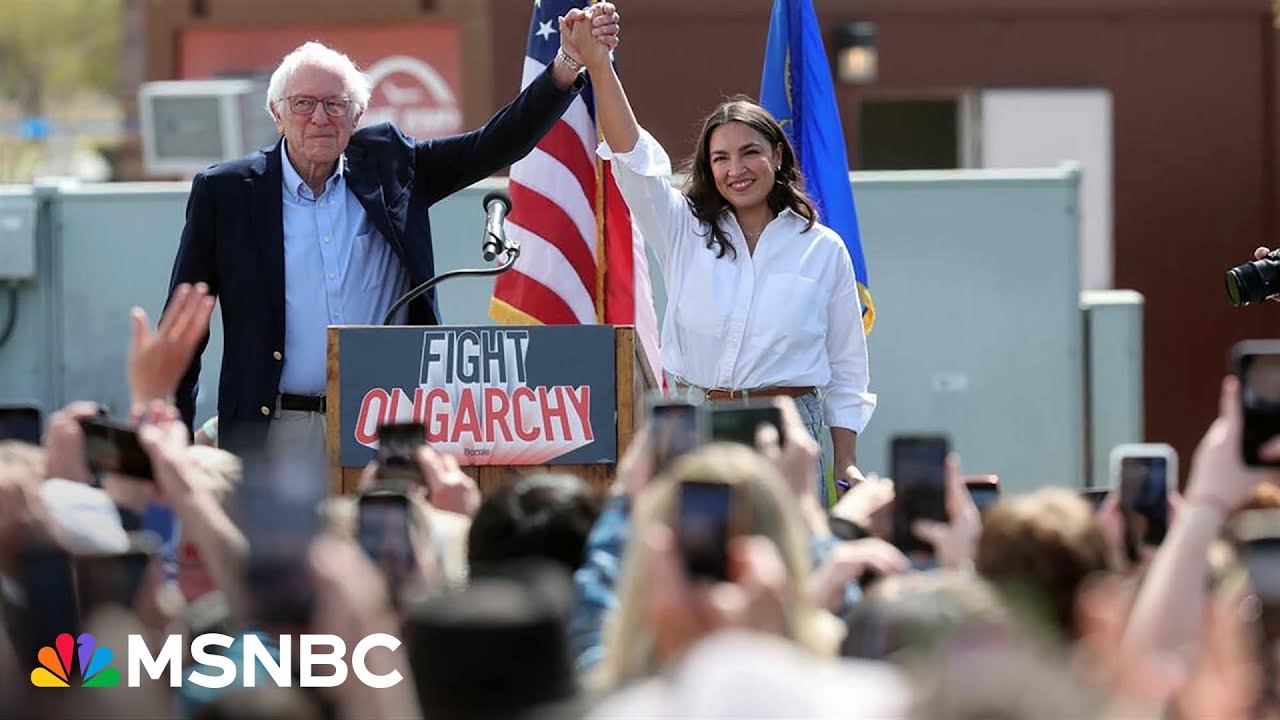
{"points": [[1254, 282]]}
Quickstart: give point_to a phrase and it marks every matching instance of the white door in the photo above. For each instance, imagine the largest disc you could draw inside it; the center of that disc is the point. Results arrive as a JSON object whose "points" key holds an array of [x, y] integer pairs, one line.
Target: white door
{"points": [[1039, 127]]}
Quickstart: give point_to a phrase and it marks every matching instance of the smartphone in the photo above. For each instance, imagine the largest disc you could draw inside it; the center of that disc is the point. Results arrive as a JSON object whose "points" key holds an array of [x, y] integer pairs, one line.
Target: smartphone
{"points": [[1095, 496], [1144, 477], [277, 507], [984, 489], [397, 445], [1257, 365], [21, 422], [918, 466], [112, 447], [708, 518], [114, 579], [676, 428], [739, 423], [384, 522]]}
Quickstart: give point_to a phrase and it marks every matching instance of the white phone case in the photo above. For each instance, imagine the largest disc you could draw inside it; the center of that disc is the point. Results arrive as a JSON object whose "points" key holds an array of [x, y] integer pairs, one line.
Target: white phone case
{"points": [[1146, 450]]}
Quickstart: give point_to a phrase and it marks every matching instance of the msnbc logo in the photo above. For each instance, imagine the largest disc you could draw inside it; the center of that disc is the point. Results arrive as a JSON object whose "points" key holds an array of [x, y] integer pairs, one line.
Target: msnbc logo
{"points": [[94, 662]]}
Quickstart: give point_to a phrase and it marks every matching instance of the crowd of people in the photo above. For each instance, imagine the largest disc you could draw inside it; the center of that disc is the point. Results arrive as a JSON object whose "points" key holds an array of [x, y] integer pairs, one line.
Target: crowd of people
{"points": [[546, 598]]}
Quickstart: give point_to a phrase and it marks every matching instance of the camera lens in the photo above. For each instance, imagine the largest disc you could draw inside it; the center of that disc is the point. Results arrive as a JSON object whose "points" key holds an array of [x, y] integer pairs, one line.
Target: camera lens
{"points": [[1236, 286], [1254, 282]]}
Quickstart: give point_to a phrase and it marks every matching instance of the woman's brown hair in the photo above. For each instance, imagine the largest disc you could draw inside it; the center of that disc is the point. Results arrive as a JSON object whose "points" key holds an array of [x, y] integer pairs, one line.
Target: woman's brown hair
{"points": [[700, 188]]}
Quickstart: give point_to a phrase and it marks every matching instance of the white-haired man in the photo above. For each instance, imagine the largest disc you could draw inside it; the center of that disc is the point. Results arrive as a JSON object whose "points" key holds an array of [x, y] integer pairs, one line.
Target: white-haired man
{"points": [[329, 226]]}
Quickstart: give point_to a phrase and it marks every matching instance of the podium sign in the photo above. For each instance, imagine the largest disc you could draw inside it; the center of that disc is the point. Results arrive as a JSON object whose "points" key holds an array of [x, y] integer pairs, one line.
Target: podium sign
{"points": [[487, 395]]}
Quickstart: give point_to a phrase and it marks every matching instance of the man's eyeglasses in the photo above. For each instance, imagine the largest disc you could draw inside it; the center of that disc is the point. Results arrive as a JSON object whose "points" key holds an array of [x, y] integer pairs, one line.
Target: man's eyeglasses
{"points": [[305, 105]]}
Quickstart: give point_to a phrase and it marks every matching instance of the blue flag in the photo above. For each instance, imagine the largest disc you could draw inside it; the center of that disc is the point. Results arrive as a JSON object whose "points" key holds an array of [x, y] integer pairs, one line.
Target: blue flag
{"points": [[797, 90]]}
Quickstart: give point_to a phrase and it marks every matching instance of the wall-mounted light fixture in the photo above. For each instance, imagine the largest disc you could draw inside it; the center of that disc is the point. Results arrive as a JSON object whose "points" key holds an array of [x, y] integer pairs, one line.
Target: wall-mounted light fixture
{"points": [[855, 51]]}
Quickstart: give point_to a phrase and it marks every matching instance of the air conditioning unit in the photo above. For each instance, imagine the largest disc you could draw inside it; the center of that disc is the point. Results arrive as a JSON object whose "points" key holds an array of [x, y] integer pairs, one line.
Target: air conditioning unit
{"points": [[188, 125]]}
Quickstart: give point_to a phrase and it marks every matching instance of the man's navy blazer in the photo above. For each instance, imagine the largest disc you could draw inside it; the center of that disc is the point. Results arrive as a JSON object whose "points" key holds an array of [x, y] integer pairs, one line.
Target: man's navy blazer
{"points": [[234, 237]]}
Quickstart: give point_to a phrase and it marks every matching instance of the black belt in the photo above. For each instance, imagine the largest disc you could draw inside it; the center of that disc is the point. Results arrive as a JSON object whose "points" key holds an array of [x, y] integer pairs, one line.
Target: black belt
{"points": [[302, 403]]}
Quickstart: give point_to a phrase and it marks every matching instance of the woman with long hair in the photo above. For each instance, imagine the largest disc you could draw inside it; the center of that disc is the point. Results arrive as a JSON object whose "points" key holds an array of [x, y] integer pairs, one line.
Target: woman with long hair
{"points": [[655, 623], [761, 297]]}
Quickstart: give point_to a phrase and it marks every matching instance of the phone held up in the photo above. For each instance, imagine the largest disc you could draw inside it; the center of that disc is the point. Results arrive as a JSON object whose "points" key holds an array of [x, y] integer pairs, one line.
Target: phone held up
{"points": [[384, 523], [984, 490], [278, 508], [111, 446], [676, 428], [1144, 477], [739, 423], [398, 445], [1257, 365], [710, 515], [918, 466]]}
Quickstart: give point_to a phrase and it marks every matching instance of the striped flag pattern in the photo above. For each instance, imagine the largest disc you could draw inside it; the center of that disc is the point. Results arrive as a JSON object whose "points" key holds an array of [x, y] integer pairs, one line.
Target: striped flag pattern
{"points": [[582, 258]]}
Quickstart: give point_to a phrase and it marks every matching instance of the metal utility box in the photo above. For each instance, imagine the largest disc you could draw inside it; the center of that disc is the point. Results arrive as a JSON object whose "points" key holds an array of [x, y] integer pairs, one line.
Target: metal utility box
{"points": [[17, 235]]}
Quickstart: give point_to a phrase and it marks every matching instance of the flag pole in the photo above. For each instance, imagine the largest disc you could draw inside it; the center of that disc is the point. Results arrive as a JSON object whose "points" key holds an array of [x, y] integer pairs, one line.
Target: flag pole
{"points": [[601, 261]]}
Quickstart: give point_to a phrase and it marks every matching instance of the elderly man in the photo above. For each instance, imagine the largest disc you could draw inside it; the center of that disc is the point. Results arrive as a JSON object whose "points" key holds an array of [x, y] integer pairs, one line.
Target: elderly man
{"points": [[329, 226]]}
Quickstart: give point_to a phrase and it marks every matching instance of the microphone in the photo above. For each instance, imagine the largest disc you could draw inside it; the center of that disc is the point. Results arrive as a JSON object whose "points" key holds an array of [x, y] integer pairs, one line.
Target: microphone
{"points": [[496, 206]]}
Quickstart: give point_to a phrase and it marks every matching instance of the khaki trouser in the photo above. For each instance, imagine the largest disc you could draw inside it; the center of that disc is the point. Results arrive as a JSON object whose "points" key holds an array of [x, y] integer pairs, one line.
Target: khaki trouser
{"points": [[296, 431]]}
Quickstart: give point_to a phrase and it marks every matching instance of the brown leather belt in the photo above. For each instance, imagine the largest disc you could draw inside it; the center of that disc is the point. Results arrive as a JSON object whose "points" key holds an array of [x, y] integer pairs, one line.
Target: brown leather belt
{"points": [[719, 396]]}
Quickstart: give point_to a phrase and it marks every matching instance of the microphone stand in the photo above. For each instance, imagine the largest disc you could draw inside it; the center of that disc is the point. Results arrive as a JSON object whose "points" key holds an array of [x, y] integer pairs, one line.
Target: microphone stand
{"points": [[513, 252]]}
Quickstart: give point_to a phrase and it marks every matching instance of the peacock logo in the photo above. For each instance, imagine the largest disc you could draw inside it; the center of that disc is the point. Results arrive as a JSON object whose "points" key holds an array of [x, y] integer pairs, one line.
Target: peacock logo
{"points": [[94, 663]]}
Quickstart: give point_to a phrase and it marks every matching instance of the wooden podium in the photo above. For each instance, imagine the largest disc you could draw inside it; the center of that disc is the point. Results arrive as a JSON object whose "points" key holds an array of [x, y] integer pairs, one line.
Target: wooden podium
{"points": [[504, 400]]}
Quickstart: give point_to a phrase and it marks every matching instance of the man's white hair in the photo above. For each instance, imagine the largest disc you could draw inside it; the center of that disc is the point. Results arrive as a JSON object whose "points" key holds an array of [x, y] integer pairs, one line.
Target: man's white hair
{"points": [[314, 53]]}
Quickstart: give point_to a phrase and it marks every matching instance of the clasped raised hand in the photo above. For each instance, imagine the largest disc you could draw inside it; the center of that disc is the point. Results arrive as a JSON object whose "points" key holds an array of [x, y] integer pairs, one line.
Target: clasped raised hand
{"points": [[588, 35]]}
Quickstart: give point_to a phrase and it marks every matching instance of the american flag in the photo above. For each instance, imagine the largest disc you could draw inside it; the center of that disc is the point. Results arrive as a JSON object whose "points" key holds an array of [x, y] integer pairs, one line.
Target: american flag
{"points": [[582, 259]]}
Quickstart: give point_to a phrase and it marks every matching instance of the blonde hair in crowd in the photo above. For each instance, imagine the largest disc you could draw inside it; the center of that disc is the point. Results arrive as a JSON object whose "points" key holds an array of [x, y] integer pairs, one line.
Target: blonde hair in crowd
{"points": [[771, 513]]}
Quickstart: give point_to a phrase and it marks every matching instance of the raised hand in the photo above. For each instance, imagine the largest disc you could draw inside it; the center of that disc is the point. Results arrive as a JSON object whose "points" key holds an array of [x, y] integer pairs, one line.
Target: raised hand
{"points": [[350, 592], [682, 611], [797, 457], [164, 437], [64, 442], [1219, 477], [868, 505], [796, 461], [352, 603], [1260, 253], [953, 542], [849, 561], [448, 488], [157, 361], [606, 24], [589, 35]]}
